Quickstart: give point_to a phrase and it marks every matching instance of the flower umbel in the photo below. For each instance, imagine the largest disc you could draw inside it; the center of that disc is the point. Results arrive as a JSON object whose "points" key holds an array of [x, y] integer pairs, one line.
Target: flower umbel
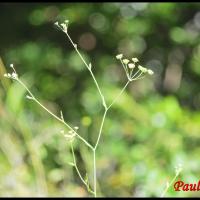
{"points": [[132, 71], [63, 26], [14, 74]]}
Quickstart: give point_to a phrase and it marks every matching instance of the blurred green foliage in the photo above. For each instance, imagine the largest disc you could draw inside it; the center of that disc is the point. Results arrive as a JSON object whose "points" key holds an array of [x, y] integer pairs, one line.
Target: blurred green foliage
{"points": [[152, 128]]}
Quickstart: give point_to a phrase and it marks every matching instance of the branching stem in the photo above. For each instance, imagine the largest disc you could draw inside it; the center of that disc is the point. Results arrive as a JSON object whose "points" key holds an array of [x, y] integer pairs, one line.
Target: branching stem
{"points": [[130, 77], [52, 114], [61, 119], [89, 68], [78, 172], [116, 98]]}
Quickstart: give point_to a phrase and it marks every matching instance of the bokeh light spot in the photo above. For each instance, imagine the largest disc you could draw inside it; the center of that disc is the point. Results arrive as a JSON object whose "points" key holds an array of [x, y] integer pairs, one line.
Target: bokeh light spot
{"points": [[87, 41]]}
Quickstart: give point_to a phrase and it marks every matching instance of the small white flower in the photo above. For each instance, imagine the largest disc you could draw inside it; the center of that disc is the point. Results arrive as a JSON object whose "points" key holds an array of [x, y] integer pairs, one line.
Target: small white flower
{"points": [[8, 75], [125, 61], [56, 23], [142, 69], [119, 56], [66, 21], [131, 65], [14, 75], [135, 60], [76, 127], [11, 65], [150, 72]]}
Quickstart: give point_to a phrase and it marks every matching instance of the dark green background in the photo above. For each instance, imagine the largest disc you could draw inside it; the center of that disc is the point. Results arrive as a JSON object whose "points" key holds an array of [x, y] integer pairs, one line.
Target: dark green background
{"points": [[152, 128]]}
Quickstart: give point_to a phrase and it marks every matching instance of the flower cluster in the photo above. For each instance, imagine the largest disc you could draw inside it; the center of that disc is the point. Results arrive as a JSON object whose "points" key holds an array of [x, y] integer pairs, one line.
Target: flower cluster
{"points": [[13, 75], [62, 26], [133, 70], [71, 133]]}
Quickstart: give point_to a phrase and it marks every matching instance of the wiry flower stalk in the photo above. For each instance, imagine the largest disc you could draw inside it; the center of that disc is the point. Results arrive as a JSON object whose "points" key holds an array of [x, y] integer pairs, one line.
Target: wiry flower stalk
{"points": [[133, 72], [178, 170]]}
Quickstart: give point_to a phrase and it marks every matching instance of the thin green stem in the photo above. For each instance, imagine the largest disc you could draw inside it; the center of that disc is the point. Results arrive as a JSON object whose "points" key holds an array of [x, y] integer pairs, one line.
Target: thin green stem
{"points": [[94, 172], [125, 69], [138, 78], [136, 74], [100, 133], [89, 68], [52, 114], [78, 172], [169, 185], [119, 94], [131, 72], [100, 130]]}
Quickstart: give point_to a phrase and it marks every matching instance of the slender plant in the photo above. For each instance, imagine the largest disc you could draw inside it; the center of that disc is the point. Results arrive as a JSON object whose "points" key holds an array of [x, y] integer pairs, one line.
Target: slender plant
{"points": [[178, 170], [133, 72]]}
